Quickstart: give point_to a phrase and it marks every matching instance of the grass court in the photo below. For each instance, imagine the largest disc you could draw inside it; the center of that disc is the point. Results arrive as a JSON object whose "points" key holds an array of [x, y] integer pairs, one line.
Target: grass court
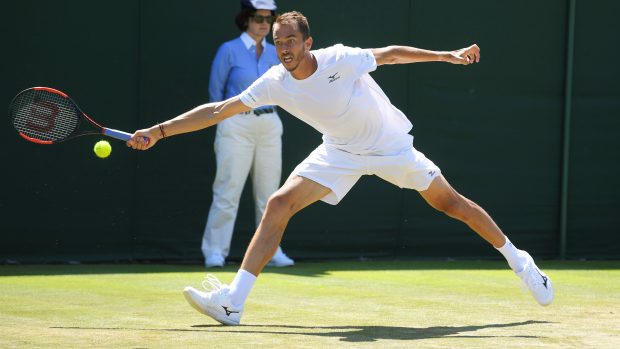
{"points": [[372, 304]]}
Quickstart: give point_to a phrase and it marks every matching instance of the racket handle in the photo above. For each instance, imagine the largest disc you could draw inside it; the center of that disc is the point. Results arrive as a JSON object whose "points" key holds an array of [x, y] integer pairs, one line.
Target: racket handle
{"points": [[123, 136]]}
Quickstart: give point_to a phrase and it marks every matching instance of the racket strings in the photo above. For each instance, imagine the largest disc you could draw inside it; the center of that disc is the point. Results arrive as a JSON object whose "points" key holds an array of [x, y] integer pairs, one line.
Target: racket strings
{"points": [[44, 115]]}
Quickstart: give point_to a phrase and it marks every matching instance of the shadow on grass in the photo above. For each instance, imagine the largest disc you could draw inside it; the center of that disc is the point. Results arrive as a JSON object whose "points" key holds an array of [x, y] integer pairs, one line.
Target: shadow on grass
{"points": [[310, 268], [343, 333]]}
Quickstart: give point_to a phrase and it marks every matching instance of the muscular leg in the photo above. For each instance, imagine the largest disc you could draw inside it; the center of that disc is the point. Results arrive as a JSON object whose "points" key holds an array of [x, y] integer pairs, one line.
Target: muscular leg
{"points": [[444, 198], [225, 303], [297, 193]]}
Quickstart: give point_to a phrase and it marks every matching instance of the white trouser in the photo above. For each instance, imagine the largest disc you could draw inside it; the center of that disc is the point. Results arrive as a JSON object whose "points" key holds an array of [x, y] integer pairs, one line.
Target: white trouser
{"points": [[244, 144]]}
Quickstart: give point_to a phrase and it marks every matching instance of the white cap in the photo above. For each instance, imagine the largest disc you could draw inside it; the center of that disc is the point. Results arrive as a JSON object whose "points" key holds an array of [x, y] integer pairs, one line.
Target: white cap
{"points": [[260, 4]]}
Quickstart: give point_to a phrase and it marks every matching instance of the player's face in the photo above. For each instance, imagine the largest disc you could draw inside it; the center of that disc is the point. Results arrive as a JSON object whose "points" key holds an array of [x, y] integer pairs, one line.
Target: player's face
{"points": [[259, 30], [290, 45]]}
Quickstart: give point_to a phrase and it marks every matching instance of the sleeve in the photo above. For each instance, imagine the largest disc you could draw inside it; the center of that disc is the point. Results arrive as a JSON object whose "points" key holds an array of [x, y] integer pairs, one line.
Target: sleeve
{"points": [[219, 74], [257, 95], [361, 60]]}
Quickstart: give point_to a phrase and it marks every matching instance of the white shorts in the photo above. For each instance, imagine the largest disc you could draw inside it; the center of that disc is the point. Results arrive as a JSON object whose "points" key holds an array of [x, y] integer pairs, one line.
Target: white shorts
{"points": [[339, 170]]}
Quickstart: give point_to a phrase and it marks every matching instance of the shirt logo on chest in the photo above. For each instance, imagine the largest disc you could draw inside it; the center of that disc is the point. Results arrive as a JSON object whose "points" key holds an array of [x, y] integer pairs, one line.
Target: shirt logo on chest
{"points": [[333, 78]]}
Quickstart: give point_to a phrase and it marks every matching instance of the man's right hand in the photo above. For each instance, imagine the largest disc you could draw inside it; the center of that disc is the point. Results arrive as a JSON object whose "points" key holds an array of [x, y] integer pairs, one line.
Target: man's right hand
{"points": [[144, 139], [465, 56]]}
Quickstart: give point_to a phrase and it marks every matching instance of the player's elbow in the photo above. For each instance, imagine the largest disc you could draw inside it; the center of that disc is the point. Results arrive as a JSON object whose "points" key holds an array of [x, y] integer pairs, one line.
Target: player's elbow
{"points": [[217, 107], [386, 55]]}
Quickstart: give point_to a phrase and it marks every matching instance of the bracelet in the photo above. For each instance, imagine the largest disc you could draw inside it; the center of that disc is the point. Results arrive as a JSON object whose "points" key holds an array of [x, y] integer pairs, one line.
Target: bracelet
{"points": [[161, 129]]}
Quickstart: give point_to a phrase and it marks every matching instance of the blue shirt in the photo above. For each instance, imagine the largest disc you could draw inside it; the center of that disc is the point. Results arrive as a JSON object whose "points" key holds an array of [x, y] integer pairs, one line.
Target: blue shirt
{"points": [[235, 67]]}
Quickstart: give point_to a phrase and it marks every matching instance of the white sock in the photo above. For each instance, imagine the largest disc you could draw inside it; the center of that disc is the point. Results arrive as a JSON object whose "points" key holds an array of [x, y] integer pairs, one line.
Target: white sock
{"points": [[516, 259], [240, 287]]}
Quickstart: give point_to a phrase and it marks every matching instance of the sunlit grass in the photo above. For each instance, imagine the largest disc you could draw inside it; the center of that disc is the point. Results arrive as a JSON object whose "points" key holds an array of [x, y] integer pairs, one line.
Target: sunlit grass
{"points": [[400, 304]]}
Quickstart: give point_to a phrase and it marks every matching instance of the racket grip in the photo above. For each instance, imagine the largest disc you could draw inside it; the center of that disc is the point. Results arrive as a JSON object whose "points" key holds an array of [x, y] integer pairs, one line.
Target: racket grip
{"points": [[123, 136]]}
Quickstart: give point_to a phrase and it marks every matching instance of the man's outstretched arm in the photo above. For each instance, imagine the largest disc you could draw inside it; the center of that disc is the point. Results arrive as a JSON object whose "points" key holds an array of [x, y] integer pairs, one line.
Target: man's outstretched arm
{"points": [[407, 54], [198, 118]]}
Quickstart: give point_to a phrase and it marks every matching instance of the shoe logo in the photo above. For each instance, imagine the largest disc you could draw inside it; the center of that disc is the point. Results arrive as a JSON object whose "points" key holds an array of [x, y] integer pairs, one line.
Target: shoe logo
{"points": [[543, 277], [333, 78], [228, 312], [431, 173]]}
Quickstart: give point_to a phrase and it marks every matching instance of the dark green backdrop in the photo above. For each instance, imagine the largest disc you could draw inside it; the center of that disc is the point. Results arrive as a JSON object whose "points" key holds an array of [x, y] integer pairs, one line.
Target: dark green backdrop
{"points": [[495, 129]]}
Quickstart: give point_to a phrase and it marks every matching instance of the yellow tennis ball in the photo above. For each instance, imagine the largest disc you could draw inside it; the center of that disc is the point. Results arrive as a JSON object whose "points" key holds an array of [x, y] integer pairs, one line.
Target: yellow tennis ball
{"points": [[102, 149]]}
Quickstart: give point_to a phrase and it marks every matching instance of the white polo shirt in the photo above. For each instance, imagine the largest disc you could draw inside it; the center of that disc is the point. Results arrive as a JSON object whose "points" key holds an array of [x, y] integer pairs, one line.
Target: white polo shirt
{"points": [[340, 100]]}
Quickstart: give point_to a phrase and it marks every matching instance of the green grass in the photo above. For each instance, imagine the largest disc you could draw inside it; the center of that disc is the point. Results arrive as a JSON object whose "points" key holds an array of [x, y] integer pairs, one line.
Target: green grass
{"points": [[403, 304]]}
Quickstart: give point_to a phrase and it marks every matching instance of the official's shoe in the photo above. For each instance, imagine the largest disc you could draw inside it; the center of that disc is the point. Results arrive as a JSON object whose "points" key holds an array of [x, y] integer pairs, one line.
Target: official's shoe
{"points": [[215, 303], [280, 259], [538, 283], [214, 260]]}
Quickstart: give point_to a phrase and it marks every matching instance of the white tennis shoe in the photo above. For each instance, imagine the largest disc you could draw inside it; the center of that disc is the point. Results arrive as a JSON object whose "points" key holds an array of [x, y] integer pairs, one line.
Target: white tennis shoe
{"points": [[280, 259], [214, 303], [536, 281], [214, 260]]}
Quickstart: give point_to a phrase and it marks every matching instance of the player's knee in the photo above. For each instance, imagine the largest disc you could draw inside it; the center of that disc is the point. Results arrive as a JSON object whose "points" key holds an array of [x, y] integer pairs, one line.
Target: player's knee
{"points": [[455, 207], [280, 206]]}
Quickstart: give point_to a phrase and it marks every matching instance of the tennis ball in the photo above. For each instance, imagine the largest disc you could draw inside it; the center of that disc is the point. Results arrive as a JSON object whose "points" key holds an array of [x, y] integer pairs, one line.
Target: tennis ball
{"points": [[102, 149]]}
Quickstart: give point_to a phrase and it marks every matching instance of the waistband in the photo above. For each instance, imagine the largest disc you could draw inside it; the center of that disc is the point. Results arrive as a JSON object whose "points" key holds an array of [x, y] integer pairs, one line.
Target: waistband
{"points": [[259, 112]]}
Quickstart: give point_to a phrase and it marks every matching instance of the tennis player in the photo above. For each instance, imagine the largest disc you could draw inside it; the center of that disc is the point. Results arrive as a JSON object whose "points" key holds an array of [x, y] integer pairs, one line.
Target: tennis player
{"points": [[363, 134]]}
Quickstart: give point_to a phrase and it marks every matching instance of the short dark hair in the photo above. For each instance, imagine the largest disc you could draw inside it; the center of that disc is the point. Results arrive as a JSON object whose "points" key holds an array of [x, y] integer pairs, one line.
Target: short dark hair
{"points": [[244, 16], [296, 18]]}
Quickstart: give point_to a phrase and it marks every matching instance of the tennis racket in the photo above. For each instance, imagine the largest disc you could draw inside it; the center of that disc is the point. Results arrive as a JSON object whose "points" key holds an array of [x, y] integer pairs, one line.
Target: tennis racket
{"points": [[44, 115]]}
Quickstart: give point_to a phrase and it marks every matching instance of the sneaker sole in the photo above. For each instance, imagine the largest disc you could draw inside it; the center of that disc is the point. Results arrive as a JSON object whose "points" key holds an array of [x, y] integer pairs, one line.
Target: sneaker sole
{"points": [[216, 317]]}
